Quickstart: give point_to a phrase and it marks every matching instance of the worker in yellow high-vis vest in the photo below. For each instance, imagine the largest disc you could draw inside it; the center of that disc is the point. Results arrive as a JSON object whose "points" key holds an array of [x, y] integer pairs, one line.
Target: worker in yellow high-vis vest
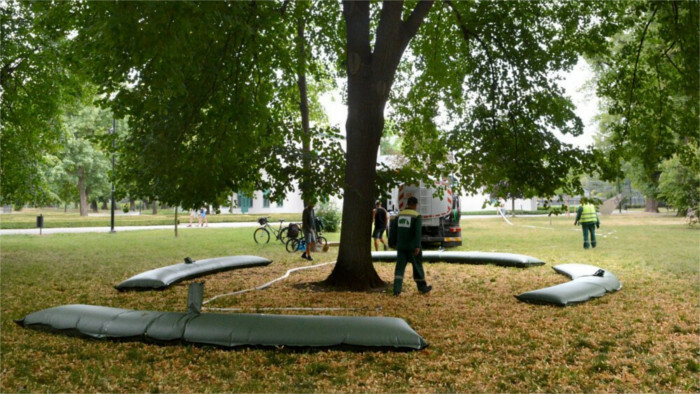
{"points": [[588, 217]]}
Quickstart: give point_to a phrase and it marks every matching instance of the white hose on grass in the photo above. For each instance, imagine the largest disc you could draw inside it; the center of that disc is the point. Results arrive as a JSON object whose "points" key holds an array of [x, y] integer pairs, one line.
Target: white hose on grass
{"points": [[266, 285], [504, 217], [285, 309]]}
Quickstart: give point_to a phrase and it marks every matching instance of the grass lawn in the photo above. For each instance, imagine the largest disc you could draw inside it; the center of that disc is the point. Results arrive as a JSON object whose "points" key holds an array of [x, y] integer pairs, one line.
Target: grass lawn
{"points": [[642, 338]]}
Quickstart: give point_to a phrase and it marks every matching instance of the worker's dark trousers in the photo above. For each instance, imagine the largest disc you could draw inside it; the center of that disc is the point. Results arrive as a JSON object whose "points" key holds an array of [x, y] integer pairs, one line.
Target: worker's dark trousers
{"points": [[588, 228], [402, 258]]}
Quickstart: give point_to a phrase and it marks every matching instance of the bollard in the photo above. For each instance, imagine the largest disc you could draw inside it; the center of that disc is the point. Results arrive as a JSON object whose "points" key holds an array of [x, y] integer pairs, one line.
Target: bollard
{"points": [[40, 222]]}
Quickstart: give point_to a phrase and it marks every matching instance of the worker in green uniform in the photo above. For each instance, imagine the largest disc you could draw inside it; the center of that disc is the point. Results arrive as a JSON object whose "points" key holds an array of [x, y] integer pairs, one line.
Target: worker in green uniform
{"points": [[408, 247], [588, 217]]}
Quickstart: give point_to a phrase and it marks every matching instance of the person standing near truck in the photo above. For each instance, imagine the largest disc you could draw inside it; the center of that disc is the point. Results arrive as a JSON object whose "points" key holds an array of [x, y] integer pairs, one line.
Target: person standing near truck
{"points": [[588, 217], [408, 247], [380, 217]]}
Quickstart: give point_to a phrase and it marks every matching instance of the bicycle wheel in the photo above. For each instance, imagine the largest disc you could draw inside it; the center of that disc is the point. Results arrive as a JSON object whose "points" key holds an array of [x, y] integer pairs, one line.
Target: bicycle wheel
{"points": [[292, 245], [321, 241], [261, 236], [284, 235]]}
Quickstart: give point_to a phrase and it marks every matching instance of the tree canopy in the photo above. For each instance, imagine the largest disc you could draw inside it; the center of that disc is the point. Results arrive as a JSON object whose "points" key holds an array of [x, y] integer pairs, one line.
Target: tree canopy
{"points": [[35, 84], [214, 94], [81, 169], [649, 85], [209, 91]]}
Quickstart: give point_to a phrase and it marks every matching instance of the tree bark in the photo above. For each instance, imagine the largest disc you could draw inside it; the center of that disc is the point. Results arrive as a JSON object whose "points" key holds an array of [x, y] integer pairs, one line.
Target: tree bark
{"points": [[82, 191], [370, 77], [176, 222], [651, 205]]}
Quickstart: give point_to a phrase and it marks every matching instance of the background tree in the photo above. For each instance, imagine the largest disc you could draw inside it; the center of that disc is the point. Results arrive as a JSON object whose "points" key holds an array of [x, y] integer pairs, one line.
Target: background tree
{"points": [[35, 84], [207, 87], [679, 185], [81, 162], [649, 86]]}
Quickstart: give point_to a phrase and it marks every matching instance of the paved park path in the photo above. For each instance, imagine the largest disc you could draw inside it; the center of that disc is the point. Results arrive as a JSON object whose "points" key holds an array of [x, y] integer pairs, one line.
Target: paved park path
{"points": [[35, 231]]}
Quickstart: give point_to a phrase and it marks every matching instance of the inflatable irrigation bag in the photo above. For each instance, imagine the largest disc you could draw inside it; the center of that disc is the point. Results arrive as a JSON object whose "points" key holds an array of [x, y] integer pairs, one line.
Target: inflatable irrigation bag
{"points": [[474, 257], [587, 282], [161, 278], [227, 330]]}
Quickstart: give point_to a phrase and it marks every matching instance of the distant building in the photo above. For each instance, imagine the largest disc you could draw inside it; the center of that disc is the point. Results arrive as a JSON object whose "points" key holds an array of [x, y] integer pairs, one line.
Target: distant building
{"points": [[258, 203]]}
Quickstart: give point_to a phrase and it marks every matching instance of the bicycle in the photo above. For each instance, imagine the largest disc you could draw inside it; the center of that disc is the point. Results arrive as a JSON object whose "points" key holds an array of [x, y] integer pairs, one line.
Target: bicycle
{"points": [[299, 244], [262, 233]]}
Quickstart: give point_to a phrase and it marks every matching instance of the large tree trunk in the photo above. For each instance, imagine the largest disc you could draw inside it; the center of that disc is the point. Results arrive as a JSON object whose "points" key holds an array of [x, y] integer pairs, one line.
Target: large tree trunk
{"points": [[354, 268], [82, 191], [370, 76]]}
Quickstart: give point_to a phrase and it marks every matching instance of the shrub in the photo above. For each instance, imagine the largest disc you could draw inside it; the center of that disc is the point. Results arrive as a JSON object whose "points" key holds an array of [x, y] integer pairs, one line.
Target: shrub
{"points": [[330, 217]]}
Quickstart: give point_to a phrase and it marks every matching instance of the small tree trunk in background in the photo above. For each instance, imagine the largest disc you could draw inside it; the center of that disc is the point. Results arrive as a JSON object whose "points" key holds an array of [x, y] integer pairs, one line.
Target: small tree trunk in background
{"points": [[82, 191], [176, 222], [651, 205]]}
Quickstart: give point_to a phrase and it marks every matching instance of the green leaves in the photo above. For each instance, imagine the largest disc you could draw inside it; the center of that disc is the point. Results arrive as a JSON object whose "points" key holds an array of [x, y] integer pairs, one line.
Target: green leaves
{"points": [[210, 92], [35, 83], [649, 82], [479, 96]]}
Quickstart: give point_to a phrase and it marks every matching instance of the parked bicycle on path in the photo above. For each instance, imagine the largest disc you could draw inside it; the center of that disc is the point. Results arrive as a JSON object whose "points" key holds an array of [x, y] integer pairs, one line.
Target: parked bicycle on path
{"points": [[262, 233], [295, 244]]}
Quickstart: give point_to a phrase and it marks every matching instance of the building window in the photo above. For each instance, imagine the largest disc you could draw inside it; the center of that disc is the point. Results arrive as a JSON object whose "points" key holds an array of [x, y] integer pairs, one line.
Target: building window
{"points": [[266, 199], [244, 202]]}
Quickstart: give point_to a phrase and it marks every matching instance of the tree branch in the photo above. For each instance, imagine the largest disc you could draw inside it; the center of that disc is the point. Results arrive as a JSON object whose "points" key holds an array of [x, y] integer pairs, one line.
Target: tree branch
{"points": [[283, 10], [415, 20], [636, 66], [467, 35], [671, 60]]}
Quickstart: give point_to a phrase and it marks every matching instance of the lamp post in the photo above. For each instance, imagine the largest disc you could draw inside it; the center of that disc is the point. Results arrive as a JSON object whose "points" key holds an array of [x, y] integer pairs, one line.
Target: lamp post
{"points": [[113, 130]]}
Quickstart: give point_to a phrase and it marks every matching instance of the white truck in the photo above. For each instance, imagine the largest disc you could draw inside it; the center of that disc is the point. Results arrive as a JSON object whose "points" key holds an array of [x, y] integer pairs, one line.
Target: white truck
{"points": [[441, 215]]}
